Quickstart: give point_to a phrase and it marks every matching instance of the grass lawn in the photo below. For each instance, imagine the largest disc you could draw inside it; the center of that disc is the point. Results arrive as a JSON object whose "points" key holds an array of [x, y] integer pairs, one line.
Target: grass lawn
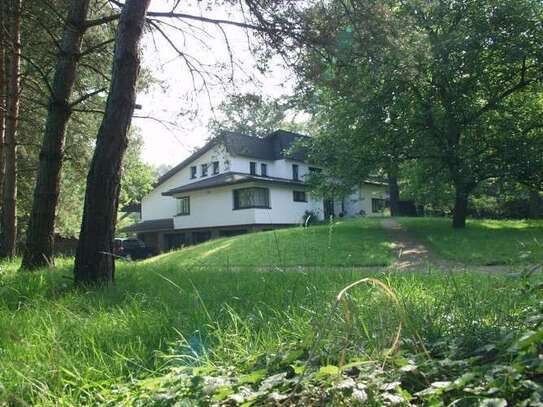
{"points": [[346, 243], [67, 346], [482, 242], [173, 325]]}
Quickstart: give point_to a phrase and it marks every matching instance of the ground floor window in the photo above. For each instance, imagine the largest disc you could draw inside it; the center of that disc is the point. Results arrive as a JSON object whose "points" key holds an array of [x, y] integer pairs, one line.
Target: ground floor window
{"points": [[201, 236], [378, 205], [299, 196], [251, 198], [175, 240], [230, 233], [183, 205]]}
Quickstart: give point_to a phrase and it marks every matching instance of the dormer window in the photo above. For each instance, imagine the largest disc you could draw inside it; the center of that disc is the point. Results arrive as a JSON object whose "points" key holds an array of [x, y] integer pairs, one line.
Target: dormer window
{"points": [[193, 172], [252, 168], [204, 170], [295, 172], [215, 167], [264, 170]]}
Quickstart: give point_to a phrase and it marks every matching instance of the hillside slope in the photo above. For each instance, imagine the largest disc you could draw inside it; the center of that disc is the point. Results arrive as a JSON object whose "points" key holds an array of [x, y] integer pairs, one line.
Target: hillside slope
{"points": [[353, 242]]}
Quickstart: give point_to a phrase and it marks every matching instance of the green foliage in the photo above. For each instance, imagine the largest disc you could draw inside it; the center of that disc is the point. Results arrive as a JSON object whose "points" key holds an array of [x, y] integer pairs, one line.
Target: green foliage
{"points": [[426, 187], [138, 177], [40, 26], [253, 115], [454, 87]]}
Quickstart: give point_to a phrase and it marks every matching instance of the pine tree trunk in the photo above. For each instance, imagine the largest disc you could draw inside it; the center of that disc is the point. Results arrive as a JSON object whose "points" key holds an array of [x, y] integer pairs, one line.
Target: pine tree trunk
{"points": [[94, 263], [394, 195], [460, 211], [9, 199], [41, 227], [2, 96]]}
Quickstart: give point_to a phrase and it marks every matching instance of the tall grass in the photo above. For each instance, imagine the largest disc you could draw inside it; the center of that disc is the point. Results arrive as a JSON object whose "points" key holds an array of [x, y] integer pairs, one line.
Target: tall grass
{"points": [[62, 345], [56, 340]]}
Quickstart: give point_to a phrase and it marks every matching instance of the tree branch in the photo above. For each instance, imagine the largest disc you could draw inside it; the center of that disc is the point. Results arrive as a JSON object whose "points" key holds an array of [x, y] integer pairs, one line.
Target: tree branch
{"points": [[87, 96], [102, 20], [172, 14], [95, 47]]}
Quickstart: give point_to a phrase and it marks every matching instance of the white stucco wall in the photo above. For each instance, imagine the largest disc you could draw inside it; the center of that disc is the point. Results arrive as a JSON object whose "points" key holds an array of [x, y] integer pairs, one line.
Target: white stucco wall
{"points": [[278, 169], [284, 210], [215, 207], [156, 206], [360, 199], [212, 207]]}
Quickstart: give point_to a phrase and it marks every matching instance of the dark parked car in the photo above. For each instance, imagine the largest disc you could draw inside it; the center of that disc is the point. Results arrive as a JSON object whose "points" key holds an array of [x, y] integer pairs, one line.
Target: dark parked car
{"points": [[131, 248]]}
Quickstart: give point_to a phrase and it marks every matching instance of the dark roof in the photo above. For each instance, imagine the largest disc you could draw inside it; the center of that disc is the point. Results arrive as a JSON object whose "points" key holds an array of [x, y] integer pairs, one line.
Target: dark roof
{"points": [[248, 146], [268, 148], [150, 225], [283, 140], [230, 178]]}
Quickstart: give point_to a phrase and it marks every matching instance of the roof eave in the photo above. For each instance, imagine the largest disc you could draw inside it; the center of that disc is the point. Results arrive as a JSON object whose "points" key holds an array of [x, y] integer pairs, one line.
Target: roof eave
{"points": [[174, 192]]}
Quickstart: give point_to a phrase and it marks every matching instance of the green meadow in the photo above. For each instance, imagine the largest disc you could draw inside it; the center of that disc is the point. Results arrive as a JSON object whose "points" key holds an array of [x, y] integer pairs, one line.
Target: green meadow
{"points": [[172, 325]]}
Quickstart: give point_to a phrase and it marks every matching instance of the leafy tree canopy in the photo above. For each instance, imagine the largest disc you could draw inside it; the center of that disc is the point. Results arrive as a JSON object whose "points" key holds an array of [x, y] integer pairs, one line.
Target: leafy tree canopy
{"points": [[455, 86]]}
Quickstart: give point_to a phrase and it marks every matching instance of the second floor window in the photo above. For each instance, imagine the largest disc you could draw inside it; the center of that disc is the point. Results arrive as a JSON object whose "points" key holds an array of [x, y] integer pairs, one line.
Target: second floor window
{"points": [[252, 168], [295, 175], [215, 167], [204, 170], [264, 170], [193, 172], [183, 205]]}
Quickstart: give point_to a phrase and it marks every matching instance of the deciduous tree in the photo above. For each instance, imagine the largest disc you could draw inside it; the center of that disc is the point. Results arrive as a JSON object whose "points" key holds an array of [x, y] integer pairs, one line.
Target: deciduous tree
{"points": [[449, 84]]}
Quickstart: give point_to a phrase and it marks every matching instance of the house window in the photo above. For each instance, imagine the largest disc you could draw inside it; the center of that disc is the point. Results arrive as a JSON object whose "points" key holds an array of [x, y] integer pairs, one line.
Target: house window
{"points": [[299, 196], [264, 170], [215, 167], [204, 170], [183, 206], [193, 172], [378, 205], [295, 172], [252, 168], [251, 198]]}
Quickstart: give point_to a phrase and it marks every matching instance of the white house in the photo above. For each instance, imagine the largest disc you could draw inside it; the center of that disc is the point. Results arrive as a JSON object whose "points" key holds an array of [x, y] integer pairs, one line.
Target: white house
{"points": [[237, 184]]}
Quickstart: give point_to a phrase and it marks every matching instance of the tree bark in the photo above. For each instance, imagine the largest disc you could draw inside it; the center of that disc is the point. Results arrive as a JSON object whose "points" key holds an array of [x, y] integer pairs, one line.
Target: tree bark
{"points": [[94, 262], [394, 195], [41, 228], [9, 199], [2, 94], [535, 205], [460, 210]]}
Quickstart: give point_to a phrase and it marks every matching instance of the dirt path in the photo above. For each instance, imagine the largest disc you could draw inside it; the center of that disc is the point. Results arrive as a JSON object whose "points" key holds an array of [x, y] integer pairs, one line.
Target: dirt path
{"points": [[412, 254]]}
